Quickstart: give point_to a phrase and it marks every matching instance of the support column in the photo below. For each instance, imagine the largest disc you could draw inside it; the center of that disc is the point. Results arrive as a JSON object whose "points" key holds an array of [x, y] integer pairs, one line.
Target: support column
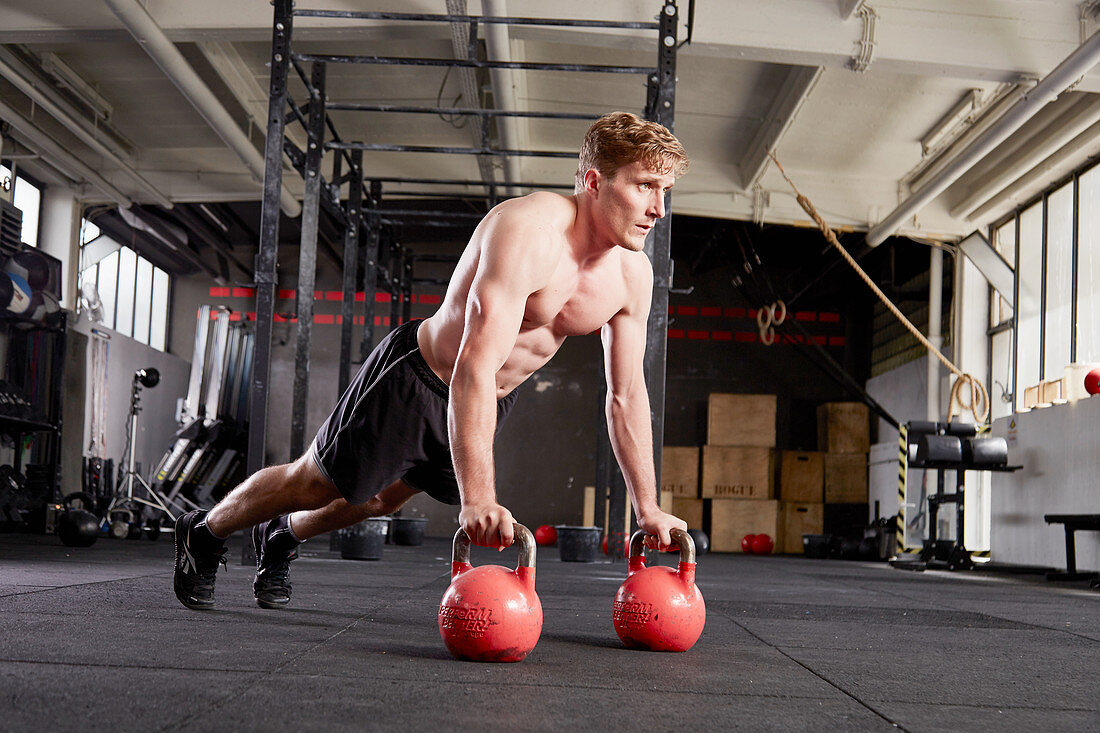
{"points": [[267, 258], [307, 260], [660, 107], [351, 264], [370, 256], [60, 237]]}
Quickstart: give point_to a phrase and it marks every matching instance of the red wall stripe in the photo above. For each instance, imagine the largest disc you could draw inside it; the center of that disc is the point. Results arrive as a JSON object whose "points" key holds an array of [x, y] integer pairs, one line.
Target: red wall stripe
{"points": [[699, 335]]}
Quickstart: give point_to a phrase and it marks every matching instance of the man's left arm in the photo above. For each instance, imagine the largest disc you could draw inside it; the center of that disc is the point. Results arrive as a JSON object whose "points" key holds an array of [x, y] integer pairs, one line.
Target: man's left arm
{"points": [[628, 414]]}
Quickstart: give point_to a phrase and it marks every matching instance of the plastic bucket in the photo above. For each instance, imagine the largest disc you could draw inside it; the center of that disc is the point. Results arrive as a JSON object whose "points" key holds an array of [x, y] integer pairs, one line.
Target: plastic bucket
{"points": [[578, 544], [407, 530], [364, 541]]}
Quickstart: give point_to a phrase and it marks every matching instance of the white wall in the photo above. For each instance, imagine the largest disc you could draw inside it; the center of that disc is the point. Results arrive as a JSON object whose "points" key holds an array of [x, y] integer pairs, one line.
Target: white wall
{"points": [[156, 422], [1057, 448]]}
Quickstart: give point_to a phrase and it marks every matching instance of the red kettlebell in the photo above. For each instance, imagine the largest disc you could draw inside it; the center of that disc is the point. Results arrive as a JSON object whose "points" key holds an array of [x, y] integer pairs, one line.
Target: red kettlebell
{"points": [[762, 544], [546, 535], [491, 613], [746, 544], [658, 608]]}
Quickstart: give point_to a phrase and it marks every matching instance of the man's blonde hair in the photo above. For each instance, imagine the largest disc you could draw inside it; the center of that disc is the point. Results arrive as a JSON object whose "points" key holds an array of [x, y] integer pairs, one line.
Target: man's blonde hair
{"points": [[620, 138]]}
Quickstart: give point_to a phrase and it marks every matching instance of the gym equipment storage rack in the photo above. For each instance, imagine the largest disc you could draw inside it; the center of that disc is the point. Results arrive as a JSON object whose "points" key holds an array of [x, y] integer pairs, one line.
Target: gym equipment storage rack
{"points": [[380, 260]]}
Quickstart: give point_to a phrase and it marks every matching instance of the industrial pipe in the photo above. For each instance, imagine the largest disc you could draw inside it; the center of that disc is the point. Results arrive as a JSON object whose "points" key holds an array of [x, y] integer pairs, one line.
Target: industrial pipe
{"points": [[1057, 81], [15, 72], [57, 156], [151, 38]]}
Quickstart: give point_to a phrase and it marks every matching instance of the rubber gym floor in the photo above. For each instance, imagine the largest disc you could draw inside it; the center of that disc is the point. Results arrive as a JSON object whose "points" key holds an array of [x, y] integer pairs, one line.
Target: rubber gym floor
{"points": [[94, 639]]}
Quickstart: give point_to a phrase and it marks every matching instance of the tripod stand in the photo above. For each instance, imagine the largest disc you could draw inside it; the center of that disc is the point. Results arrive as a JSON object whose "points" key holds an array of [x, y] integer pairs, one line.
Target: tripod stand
{"points": [[127, 511]]}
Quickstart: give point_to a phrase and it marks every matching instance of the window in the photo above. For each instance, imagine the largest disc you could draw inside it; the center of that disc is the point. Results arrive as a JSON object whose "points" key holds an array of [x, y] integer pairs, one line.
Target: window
{"points": [[134, 292], [1088, 267], [1058, 290], [26, 197], [1029, 288], [1000, 322]]}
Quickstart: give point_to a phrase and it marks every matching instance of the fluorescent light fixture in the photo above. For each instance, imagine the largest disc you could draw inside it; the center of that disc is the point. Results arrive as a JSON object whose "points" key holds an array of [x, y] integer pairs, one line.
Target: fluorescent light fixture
{"points": [[72, 81]]}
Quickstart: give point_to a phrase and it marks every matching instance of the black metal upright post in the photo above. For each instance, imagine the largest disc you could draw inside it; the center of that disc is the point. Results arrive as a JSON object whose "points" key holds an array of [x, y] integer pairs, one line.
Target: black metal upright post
{"points": [[659, 108], [396, 267], [307, 259], [406, 286], [267, 258], [351, 265], [370, 255], [659, 244]]}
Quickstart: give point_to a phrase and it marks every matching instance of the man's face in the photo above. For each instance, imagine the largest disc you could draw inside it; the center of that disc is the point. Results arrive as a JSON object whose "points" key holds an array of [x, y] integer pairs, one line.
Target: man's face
{"points": [[631, 201]]}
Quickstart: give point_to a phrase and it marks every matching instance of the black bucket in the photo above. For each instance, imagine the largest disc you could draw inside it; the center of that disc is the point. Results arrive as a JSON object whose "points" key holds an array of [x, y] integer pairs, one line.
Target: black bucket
{"points": [[407, 530], [816, 545], [364, 541], [578, 544]]}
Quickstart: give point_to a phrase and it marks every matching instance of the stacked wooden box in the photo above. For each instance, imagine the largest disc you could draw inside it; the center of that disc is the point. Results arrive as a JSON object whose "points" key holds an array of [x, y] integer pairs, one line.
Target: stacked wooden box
{"points": [[680, 484], [843, 433], [738, 469], [824, 490]]}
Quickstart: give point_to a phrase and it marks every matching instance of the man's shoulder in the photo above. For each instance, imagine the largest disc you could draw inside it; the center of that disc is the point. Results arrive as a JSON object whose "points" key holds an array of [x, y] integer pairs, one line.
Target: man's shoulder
{"points": [[545, 206]]}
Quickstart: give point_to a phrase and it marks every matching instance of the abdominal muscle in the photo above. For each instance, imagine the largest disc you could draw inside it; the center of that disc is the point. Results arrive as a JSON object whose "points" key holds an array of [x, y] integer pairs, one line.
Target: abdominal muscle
{"points": [[439, 338]]}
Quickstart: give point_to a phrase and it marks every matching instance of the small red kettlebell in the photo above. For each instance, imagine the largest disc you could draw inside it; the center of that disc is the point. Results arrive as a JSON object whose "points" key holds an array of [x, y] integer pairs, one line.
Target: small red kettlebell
{"points": [[762, 544], [746, 544], [491, 613], [546, 535], [658, 608]]}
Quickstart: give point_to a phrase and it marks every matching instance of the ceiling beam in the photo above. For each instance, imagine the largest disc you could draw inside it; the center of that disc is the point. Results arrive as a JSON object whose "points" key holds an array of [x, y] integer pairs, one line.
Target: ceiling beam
{"points": [[244, 87], [793, 92]]}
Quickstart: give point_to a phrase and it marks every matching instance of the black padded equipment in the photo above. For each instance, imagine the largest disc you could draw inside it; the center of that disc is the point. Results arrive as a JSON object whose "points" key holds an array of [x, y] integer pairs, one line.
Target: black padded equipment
{"points": [[985, 451], [939, 449]]}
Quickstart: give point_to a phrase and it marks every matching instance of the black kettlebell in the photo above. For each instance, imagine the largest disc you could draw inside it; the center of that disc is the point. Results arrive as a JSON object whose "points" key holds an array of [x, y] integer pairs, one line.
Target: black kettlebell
{"points": [[702, 542], [78, 528]]}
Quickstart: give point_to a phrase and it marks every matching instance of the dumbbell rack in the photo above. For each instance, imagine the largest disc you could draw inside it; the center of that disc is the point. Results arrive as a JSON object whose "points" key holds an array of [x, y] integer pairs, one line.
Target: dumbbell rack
{"points": [[958, 558]]}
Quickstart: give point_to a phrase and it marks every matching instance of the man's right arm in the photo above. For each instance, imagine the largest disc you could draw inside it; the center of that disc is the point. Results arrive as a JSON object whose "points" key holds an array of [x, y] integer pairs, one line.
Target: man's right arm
{"points": [[512, 266]]}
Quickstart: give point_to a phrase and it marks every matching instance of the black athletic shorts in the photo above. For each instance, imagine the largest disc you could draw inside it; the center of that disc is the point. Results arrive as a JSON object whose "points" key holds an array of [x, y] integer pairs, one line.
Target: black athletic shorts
{"points": [[391, 424]]}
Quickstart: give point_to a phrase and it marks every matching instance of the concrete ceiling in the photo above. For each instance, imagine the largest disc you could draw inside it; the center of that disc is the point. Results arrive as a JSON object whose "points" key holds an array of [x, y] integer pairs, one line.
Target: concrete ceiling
{"points": [[757, 77]]}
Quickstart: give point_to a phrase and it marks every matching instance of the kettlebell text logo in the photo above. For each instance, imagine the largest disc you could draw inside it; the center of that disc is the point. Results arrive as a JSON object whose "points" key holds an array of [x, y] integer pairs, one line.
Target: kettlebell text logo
{"points": [[631, 613], [471, 622]]}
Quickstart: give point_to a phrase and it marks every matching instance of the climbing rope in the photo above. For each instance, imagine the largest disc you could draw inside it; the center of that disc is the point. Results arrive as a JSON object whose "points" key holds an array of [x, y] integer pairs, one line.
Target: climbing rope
{"points": [[978, 399]]}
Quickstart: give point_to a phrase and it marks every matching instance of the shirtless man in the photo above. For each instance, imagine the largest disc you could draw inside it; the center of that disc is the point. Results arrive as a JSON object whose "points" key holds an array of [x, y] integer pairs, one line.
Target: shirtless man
{"points": [[423, 410]]}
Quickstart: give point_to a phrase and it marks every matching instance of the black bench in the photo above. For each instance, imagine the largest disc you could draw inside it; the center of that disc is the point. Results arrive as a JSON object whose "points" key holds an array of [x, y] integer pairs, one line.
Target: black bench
{"points": [[1073, 522]]}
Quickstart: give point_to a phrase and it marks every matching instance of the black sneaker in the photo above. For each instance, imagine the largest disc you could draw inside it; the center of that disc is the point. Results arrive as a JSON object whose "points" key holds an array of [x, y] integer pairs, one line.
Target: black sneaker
{"points": [[275, 548], [196, 563]]}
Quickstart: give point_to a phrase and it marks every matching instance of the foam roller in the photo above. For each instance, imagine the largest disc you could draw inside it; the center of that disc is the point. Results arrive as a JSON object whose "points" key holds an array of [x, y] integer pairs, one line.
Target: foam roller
{"points": [[985, 451], [939, 449]]}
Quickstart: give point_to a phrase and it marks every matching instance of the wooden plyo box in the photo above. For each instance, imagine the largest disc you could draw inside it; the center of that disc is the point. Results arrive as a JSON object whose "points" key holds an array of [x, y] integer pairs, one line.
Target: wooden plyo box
{"points": [[689, 510], [845, 478], [741, 419], [737, 472], [843, 427], [801, 475], [732, 519], [795, 520], [680, 471]]}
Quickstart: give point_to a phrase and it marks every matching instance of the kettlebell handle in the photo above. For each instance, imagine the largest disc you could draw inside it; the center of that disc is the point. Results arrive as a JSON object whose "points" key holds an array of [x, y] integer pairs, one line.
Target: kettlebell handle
{"points": [[461, 549], [679, 537]]}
